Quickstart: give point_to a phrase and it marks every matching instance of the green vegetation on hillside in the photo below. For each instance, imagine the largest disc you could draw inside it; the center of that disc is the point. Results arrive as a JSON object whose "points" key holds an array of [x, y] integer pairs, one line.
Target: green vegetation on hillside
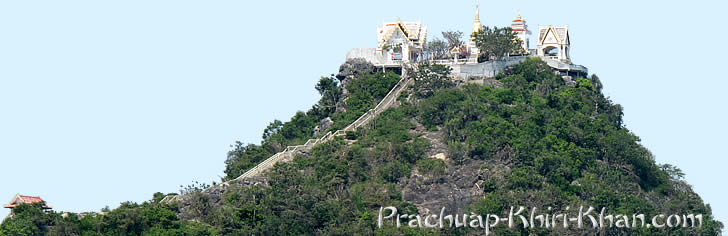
{"points": [[364, 93], [148, 218], [555, 146]]}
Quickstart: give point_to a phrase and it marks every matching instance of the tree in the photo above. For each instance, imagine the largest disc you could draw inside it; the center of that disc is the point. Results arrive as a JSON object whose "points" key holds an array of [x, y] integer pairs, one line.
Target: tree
{"points": [[429, 77], [28, 219], [273, 128], [329, 89], [674, 172], [497, 43], [454, 39], [436, 48], [596, 82]]}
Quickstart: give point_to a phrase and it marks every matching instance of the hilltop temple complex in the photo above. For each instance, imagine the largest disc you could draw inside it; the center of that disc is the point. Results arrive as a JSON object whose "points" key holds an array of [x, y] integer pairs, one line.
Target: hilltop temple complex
{"points": [[403, 42]]}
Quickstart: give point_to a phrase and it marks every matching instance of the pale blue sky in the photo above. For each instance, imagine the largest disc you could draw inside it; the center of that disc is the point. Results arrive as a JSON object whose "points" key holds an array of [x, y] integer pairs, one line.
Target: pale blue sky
{"points": [[108, 101]]}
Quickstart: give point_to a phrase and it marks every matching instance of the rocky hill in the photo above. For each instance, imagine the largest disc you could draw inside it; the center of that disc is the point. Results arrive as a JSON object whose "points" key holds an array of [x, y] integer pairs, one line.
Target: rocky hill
{"points": [[526, 138], [533, 140]]}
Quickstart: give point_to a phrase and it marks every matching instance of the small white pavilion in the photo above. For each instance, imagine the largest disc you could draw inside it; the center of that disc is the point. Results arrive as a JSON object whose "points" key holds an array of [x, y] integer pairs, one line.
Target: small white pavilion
{"points": [[553, 43]]}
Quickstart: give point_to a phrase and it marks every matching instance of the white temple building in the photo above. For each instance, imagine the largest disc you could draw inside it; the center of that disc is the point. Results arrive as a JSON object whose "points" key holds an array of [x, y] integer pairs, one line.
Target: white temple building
{"points": [[554, 43], [401, 40], [397, 43]]}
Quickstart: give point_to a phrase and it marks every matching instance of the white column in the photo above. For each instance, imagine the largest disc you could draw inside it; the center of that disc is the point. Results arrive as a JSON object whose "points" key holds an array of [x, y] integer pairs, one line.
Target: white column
{"points": [[405, 52]]}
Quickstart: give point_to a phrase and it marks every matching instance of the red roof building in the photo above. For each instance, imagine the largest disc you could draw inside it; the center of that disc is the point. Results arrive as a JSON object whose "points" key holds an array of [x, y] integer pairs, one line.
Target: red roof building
{"points": [[20, 199]]}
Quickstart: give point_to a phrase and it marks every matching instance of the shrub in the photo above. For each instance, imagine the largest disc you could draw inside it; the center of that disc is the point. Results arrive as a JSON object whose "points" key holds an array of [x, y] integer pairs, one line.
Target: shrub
{"points": [[430, 166]]}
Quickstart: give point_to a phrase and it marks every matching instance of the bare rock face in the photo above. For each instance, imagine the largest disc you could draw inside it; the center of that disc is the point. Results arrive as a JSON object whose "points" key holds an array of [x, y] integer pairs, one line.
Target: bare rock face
{"points": [[440, 156], [354, 66], [323, 125], [347, 73], [341, 106], [460, 186], [569, 81], [350, 68]]}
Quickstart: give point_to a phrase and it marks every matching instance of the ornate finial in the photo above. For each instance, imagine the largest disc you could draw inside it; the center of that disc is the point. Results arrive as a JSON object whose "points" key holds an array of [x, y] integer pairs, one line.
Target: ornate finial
{"points": [[519, 14], [477, 13], [476, 25]]}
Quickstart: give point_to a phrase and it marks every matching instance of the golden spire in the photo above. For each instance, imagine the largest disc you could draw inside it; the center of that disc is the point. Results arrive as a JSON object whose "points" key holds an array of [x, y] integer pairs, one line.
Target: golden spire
{"points": [[477, 14], [519, 15], [476, 25]]}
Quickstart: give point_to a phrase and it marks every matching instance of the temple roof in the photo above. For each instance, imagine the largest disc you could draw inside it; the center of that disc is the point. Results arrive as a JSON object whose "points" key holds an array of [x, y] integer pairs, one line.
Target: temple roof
{"points": [[413, 31], [20, 199], [519, 24], [561, 33]]}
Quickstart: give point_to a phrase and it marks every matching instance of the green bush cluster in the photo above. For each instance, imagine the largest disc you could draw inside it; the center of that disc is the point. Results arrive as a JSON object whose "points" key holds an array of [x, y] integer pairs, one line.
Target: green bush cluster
{"points": [[148, 218]]}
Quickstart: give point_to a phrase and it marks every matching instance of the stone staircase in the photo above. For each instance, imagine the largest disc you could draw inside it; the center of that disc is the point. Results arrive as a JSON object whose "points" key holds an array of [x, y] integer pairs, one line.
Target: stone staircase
{"points": [[291, 151]]}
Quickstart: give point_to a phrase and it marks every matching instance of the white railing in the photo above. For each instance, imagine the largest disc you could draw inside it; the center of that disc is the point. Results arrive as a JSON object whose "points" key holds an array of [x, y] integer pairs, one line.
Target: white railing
{"points": [[362, 120], [266, 164], [449, 61]]}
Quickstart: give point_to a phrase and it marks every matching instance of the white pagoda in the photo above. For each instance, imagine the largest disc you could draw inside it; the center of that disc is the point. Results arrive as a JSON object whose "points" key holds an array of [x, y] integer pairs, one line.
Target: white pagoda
{"points": [[521, 29], [472, 47]]}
